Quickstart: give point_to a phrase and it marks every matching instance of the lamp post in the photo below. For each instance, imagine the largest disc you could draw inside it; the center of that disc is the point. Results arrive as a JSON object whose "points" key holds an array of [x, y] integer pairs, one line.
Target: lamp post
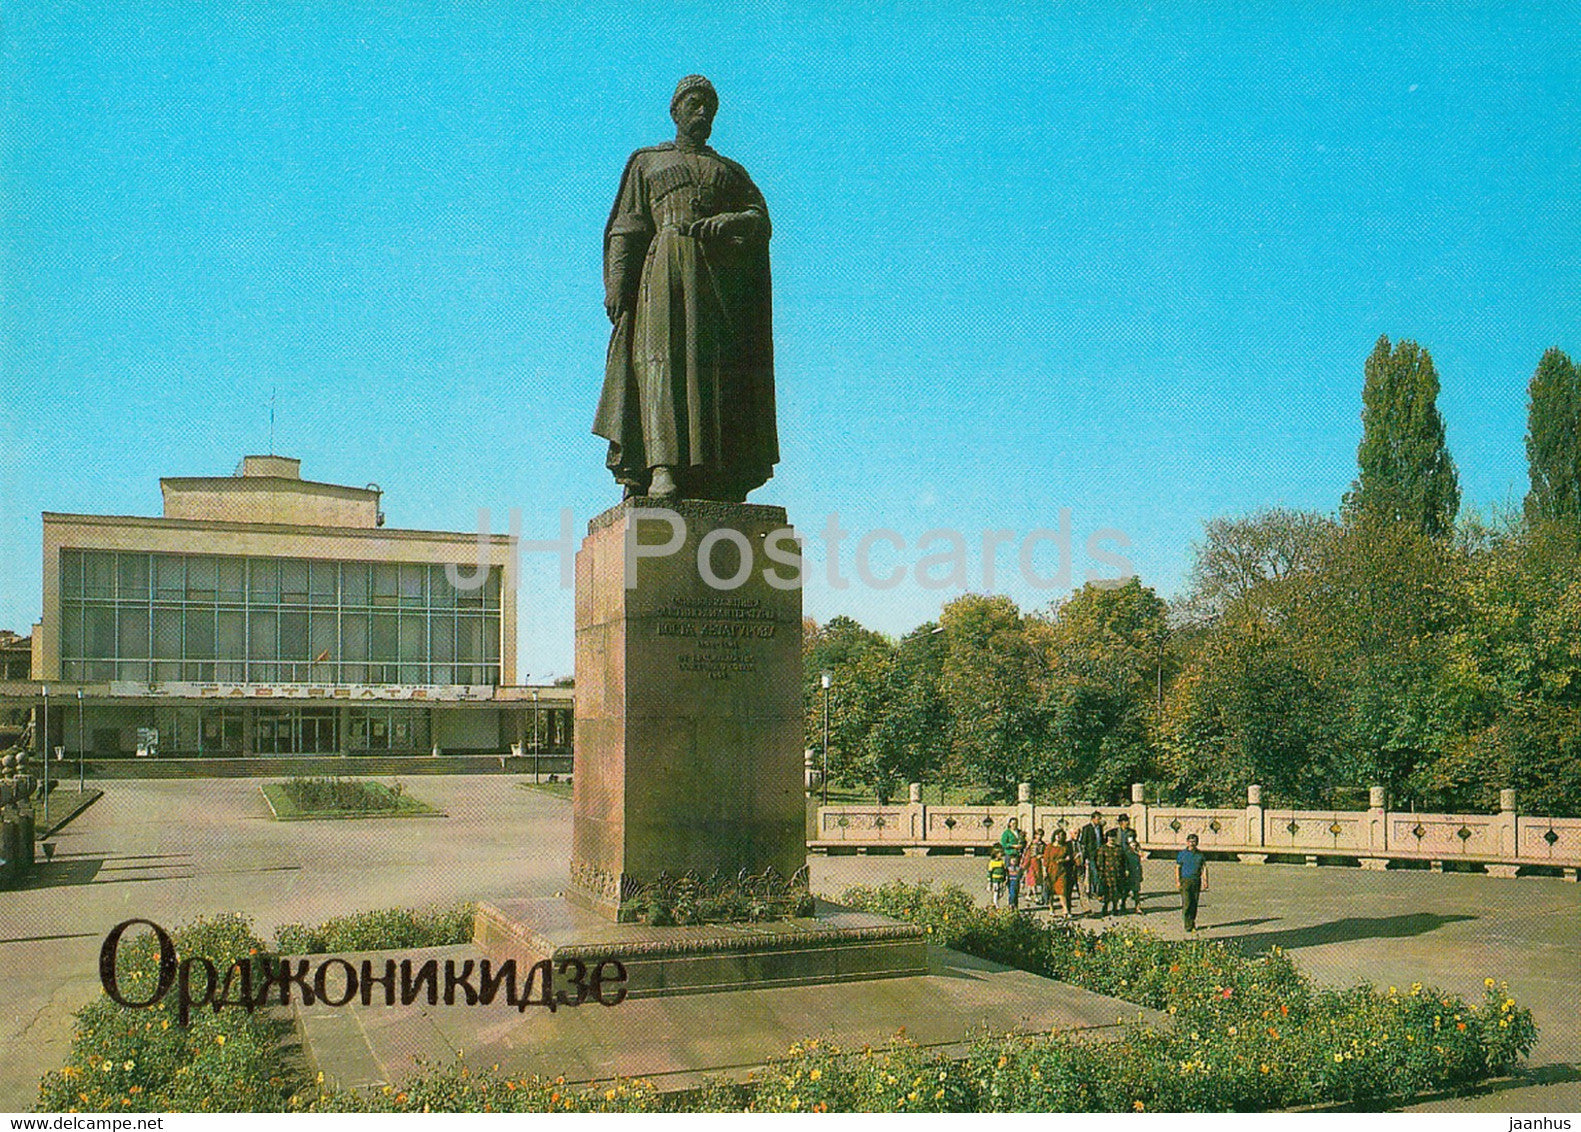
{"points": [[826, 680], [535, 735], [82, 747], [43, 750]]}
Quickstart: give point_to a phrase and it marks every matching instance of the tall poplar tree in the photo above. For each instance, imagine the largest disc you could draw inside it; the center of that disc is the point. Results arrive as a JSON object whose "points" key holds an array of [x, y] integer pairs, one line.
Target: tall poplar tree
{"points": [[1406, 473], [1553, 440]]}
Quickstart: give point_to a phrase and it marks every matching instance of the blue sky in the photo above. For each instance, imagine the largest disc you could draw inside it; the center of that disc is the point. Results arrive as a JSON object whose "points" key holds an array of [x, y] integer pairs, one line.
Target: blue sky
{"points": [[1125, 260]]}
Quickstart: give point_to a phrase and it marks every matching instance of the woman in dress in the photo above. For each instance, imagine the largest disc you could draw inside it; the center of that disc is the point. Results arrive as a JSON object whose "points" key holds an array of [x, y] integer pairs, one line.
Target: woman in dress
{"points": [[1062, 870]]}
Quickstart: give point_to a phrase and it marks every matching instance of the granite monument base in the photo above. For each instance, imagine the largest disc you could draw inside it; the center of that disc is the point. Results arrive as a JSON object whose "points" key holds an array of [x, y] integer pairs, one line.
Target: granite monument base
{"points": [[688, 699], [834, 945]]}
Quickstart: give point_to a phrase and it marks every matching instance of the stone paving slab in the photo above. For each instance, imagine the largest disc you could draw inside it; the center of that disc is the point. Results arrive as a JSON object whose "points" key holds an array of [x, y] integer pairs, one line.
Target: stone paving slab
{"points": [[677, 1041]]}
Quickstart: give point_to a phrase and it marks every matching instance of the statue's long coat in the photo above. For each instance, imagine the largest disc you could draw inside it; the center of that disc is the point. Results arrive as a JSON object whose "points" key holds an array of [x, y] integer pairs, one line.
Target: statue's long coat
{"points": [[689, 380]]}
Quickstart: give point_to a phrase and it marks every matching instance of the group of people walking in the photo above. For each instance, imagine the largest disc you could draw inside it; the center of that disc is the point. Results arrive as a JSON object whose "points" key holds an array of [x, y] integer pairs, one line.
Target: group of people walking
{"points": [[1106, 865]]}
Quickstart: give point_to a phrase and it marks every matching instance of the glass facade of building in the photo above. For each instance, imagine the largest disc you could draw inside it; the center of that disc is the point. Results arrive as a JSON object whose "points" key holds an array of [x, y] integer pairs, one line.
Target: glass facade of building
{"points": [[154, 618]]}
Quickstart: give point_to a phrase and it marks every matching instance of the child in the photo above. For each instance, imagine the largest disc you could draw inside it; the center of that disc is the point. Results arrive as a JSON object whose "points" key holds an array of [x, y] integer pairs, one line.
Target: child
{"points": [[1013, 876], [1032, 870], [996, 876]]}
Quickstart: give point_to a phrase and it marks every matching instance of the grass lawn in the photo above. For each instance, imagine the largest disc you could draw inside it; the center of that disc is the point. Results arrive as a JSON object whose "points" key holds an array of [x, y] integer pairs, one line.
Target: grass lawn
{"points": [[304, 799], [64, 805], [557, 789]]}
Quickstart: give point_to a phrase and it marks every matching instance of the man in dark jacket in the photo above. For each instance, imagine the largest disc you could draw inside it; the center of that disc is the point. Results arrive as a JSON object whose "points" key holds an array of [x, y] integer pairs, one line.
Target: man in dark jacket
{"points": [[1089, 839]]}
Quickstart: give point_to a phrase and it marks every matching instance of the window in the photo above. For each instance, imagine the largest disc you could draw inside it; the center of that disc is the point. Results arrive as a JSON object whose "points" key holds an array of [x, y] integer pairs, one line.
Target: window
{"points": [[233, 580], [99, 576], [322, 583], [202, 579], [170, 577], [71, 573], [133, 576], [136, 616]]}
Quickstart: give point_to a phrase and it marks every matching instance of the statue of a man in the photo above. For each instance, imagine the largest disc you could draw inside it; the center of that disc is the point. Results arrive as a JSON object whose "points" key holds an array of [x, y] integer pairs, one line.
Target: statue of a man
{"points": [[688, 401]]}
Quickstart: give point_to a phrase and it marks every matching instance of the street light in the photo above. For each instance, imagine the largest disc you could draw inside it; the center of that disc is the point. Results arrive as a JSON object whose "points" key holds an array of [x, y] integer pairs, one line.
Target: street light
{"points": [[826, 679], [82, 747], [535, 735], [43, 750]]}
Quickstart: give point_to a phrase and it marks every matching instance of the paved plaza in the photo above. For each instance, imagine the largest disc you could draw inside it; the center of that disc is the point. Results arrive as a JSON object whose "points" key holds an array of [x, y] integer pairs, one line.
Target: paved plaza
{"points": [[168, 851]]}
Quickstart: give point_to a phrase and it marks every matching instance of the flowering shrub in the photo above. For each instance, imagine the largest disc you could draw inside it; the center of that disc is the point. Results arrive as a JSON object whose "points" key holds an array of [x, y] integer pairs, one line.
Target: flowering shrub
{"points": [[458, 1088], [1243, 1033], [818, 1077], [383, 930], [126, 1060]]}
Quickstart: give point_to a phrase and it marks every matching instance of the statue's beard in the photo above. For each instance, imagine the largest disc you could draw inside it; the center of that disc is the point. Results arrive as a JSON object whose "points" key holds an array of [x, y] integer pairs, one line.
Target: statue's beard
{"points": [[697, 131]]}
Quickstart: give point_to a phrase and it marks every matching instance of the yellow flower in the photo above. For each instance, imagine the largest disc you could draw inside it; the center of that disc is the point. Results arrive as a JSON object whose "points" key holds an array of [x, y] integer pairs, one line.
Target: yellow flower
{"points": [[1489, 983], [1138, 1106], [1232, 1031], [219, 1039], [815, 1074], [1338, 1057]]}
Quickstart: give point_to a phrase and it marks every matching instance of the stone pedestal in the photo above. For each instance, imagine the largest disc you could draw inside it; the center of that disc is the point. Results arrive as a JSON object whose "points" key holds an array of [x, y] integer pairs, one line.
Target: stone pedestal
{"points": [[833, 945], [688, 699]]}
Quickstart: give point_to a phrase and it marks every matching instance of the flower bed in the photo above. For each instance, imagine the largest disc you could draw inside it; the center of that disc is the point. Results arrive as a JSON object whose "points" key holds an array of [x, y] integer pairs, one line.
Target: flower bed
{"points": [[1244, 1033], [125, 1060], [299, 799]]}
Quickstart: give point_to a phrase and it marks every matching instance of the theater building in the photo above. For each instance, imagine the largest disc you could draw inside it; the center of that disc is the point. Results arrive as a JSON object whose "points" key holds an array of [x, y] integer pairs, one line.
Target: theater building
{"points": [[267, 615]]}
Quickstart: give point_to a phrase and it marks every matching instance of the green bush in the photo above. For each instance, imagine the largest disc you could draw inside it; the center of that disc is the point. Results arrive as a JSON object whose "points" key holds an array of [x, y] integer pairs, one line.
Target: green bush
{"points": [[342, 795], [384, 930]]}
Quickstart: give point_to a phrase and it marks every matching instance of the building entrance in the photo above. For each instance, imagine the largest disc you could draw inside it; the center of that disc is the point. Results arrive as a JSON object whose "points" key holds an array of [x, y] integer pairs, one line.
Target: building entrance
{"points": [[299, 731]]}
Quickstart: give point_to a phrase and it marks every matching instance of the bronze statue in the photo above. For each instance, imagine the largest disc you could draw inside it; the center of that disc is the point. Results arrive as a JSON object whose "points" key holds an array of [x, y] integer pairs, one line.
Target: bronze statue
{"points": [[688, 400]]}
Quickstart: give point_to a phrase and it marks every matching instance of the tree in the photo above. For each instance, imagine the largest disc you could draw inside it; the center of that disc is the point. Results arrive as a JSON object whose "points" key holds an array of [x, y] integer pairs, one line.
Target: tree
{"points": [[1553, 440], [831, 648], [1237, 556], [1370, 626], [1406, 474], [992, 681], [1245, 712], [909, 739], [1106, 653]]}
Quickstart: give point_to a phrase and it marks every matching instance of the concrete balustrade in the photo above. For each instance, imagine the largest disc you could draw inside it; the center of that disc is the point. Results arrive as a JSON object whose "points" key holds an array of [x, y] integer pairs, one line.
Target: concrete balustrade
{"points": [[1502, 843]]}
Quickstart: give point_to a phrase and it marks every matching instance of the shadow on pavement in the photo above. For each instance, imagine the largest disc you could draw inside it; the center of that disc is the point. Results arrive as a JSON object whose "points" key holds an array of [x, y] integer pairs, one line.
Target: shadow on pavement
{"points": [[1339, 931], [48, 938], [67, 872], [1248, 923]]}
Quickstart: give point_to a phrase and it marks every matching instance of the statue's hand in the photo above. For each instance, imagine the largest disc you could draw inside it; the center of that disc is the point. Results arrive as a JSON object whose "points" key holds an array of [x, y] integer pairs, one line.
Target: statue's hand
{"points": [[615, 308], [712, 227]]}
